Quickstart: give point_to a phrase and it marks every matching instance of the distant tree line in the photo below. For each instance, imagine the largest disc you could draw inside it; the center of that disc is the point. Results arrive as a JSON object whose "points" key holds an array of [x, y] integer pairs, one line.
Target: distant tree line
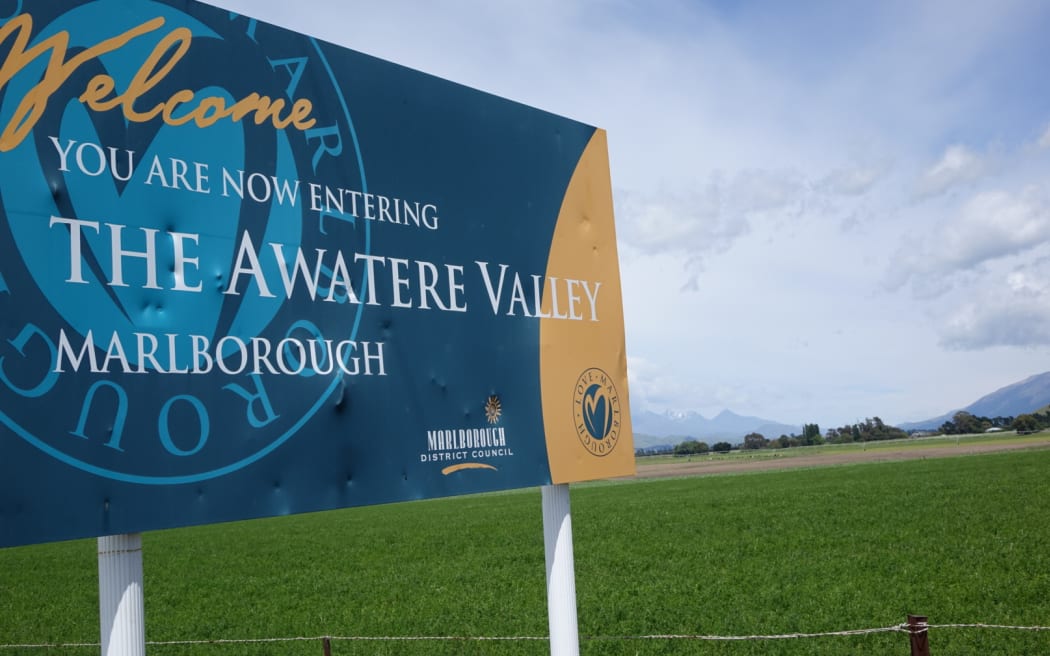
{"points": [[963, 422], [810, 437], [694, 447], [870, 430], [1031, 423]]}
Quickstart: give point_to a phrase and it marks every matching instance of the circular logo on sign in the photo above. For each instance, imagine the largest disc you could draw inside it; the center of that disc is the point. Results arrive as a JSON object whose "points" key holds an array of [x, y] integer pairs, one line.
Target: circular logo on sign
{"points": [[176, 206], [596, 412]]}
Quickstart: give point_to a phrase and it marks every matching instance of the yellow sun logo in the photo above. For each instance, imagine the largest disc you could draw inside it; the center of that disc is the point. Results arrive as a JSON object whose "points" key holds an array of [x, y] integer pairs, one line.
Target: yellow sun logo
{"points": [[493, 409]]}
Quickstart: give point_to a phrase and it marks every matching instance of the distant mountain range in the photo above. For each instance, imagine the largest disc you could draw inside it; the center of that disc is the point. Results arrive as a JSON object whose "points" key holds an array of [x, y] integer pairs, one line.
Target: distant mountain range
{"points": [[655, 429], [1029, 395], [652, 429]]}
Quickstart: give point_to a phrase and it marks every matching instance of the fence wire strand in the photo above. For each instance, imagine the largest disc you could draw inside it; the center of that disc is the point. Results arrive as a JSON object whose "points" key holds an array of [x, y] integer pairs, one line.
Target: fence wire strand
{"points": [[989, 626], [896, 628]]}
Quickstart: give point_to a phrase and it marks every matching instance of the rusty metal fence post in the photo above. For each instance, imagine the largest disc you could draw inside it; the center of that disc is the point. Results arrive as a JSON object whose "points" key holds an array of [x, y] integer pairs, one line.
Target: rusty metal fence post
{"points": [[919, 632]]}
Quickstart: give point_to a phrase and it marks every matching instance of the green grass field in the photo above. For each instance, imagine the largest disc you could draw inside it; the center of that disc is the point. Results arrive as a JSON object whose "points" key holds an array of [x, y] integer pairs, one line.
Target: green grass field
{"points": [[958, 539]]}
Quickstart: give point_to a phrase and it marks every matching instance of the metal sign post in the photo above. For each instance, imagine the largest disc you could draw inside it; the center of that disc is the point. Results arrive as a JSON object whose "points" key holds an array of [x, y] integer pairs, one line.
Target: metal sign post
{"points": [[561, 575], [120, 602]]}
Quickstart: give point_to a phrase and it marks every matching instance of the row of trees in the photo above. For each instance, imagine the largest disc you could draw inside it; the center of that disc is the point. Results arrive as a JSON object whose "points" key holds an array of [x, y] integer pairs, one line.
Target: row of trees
{"points": [[1030, 423], [870, 430], [963, 422], [694, 447]]}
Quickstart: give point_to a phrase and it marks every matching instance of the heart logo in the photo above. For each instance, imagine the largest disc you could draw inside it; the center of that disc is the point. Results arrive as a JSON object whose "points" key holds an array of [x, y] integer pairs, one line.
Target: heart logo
{"points": [[596, 416]]}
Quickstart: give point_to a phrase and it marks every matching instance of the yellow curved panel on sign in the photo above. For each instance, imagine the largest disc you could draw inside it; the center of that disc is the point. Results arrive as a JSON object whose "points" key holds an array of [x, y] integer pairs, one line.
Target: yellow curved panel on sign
{"points": [[583, 360]]}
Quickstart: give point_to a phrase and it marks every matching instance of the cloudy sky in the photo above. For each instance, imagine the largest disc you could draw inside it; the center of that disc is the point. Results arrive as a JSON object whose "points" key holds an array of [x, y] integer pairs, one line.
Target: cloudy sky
{"points": [[826, 210]]}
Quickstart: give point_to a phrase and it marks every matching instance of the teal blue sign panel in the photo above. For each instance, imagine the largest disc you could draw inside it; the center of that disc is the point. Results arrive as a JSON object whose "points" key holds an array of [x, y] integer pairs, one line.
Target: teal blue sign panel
{"points": [[247, 273]]}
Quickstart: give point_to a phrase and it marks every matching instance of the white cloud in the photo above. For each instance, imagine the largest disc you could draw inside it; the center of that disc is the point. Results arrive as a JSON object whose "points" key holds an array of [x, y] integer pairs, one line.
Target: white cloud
{"points": [[994, 224], [1010, 308], [958, 165], [677, 222], [1044, 140], [757, 190], [989, 226], [650, 385], [852, 181], [999, 322], [1025, 284], [708, 217]]}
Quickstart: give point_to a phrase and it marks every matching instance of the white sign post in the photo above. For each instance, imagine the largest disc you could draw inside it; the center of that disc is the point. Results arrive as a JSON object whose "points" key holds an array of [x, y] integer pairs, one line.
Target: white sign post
{"points": [[561, 575], [121, 609]]}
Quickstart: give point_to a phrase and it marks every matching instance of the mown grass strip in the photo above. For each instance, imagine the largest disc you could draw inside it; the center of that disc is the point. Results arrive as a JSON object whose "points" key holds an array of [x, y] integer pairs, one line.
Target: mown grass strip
{"points": [[946, 442]]}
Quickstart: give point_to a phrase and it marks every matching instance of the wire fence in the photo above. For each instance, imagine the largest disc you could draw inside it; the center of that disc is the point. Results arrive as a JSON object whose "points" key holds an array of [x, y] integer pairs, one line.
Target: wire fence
{"points": [[911, 628]]}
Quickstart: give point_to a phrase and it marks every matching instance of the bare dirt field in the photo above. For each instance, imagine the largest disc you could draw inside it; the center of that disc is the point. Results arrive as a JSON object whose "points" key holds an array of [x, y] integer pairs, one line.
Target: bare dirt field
{"points": [[700, 466]]}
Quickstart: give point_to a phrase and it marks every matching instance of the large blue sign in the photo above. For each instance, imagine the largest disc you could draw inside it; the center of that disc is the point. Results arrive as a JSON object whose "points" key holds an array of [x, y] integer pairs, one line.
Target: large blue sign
{"points": [[246, 273]]}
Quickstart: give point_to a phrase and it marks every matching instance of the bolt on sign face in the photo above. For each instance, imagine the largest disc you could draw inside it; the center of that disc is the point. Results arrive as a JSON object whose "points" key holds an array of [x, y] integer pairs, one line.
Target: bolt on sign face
{"points": [[247, 273]]}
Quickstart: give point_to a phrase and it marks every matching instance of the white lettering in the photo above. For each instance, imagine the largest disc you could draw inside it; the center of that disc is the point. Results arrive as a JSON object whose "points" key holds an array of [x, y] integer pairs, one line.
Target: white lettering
{"points": [[247, 251], [75, 270]]}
